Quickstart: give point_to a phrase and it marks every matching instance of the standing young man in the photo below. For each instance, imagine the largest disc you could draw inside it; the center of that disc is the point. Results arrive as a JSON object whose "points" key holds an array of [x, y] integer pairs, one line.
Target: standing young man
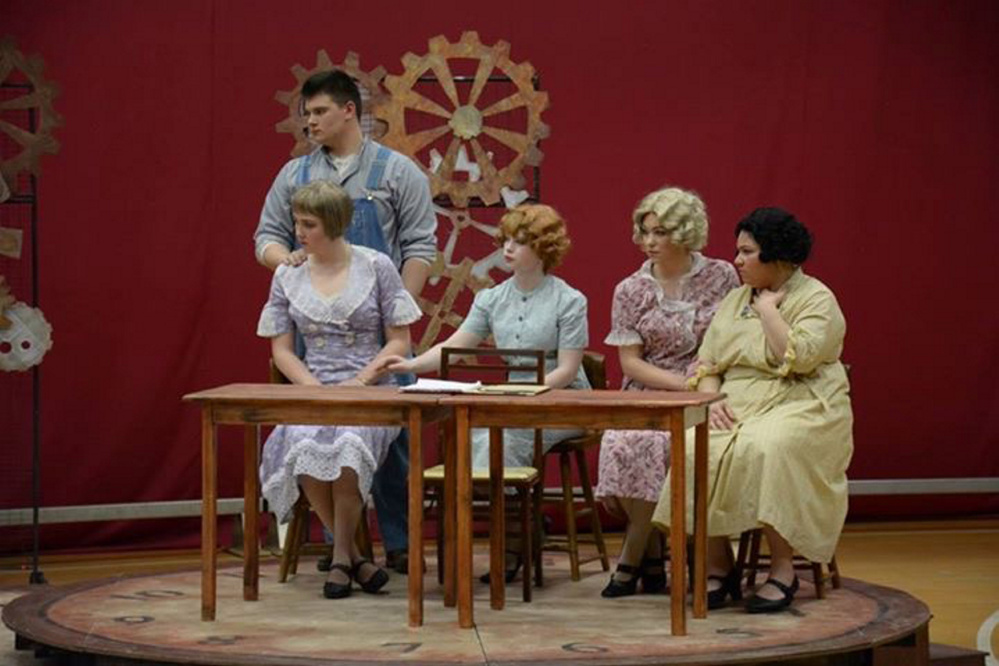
{"points": [[393, 214]]}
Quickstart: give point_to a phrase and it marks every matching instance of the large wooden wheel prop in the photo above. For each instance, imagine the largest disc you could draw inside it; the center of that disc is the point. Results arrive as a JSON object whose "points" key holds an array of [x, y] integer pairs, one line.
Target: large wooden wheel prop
{"points": [[464, 121], [369, 83], [16, 69]]}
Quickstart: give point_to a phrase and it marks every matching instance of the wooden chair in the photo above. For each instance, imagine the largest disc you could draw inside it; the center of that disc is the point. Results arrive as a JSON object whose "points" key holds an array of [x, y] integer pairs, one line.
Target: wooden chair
{"points": [[749, 560], [296, 539], [566, 497], [526, 481]]}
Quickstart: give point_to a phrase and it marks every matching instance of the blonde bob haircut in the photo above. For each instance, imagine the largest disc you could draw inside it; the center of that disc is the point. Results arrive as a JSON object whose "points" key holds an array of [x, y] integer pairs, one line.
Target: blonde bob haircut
{"points": [[326, 201], [680, 212], [540, 227]]}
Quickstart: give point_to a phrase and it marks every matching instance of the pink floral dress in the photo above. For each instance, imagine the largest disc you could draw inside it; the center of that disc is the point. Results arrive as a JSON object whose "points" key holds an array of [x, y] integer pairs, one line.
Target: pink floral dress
{"points": [[633, 462]]}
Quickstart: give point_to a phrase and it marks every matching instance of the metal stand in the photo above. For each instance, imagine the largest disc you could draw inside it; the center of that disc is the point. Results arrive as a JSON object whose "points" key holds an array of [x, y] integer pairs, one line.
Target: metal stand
{"points": [[36, 576]]}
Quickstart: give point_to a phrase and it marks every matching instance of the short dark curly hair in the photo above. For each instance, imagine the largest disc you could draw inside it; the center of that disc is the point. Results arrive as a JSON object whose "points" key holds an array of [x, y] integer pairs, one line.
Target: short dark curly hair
{"points": [[779, 234]]}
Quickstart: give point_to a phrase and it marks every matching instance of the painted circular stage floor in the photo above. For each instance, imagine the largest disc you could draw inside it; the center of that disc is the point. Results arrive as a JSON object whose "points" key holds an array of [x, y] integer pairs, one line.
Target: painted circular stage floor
{"points": [[156, 619]]}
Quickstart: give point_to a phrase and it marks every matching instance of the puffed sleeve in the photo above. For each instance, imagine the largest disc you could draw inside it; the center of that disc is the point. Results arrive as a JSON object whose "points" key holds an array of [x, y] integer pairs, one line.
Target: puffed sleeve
{"points": [[397, 306], [816, 336], [573, 330], [275, 319], [479, 319], [625, 313]]}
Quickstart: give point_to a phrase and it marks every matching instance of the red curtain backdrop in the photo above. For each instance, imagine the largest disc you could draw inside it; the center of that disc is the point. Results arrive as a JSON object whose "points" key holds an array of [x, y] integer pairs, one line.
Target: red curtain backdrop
{"points": [[875, 121]]}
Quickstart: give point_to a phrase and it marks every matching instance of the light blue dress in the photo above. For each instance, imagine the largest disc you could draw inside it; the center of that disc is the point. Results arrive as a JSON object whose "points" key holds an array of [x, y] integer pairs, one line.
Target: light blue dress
{"points": [[342, 334], [552, 316]]}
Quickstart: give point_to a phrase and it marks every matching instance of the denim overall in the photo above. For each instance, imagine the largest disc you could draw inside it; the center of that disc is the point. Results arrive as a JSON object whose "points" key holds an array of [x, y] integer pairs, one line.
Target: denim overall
{"points": [[390, 486]]}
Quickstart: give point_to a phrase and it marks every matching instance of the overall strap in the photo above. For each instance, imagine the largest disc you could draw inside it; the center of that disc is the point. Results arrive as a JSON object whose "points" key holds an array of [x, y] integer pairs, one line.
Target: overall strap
{"points": [[378, 168], [303, 171]]}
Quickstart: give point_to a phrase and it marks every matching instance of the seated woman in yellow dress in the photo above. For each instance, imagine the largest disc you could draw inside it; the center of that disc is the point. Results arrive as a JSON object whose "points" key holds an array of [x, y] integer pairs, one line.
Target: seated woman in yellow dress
{"points": [[781, 441]]}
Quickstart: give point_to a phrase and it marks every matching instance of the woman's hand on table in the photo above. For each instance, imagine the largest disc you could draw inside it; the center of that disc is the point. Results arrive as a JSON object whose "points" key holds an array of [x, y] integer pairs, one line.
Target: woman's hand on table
{"points": [[395, 364]]}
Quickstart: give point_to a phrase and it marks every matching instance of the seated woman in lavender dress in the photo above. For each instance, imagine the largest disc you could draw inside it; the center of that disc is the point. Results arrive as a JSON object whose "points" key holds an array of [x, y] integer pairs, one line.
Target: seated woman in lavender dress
{"points": [[352, 309], [531, 310], [659, 315]]}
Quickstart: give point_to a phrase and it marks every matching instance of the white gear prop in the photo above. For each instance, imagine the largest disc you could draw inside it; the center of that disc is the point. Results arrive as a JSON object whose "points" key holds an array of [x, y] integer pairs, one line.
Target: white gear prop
{"points": [[24, 343]]}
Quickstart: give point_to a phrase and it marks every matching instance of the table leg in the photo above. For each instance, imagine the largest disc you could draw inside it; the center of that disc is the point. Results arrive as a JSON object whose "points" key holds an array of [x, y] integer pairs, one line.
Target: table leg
{"points": [[251, 513], [208, 515], [450, 520], [463, 506], [415, 517], [497, 521], [678, 528], [701, 519]]}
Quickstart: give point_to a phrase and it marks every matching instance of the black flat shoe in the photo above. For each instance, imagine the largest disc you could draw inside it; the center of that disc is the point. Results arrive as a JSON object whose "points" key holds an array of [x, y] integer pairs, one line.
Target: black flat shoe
{"points": [[760, 605], [509, 573], [653, 575], [731, 585], [333, 590], [617, 588], [397, 561], [375, 581]]}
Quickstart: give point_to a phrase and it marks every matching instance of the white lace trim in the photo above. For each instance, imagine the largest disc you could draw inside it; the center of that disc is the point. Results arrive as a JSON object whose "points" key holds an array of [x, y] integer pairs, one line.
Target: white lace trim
{"points": [[404, 310], [623, 338], [697, 263], [338, 308]]}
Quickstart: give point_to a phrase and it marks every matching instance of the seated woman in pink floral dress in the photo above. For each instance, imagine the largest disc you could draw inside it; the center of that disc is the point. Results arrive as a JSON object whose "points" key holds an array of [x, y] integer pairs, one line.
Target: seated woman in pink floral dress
{"points": [[659, 315]]}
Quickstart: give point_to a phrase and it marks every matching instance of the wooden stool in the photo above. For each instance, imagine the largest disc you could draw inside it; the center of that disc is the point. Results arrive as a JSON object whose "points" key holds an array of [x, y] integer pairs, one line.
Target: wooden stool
{"points": [[566, 497], [523, 480], [297, 536], [749, 560]]}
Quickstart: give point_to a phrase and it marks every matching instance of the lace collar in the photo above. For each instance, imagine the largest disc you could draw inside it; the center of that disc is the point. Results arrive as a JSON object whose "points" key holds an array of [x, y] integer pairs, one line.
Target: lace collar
{"points": [[335, 309]]}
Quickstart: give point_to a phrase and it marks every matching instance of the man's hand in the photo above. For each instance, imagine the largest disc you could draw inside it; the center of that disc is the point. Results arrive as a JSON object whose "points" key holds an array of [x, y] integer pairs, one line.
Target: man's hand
{"points": [[296, 258]]}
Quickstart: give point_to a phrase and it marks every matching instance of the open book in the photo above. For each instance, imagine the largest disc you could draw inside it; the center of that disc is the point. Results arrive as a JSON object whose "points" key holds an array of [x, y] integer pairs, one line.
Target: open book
{"points": [[448, 386]]}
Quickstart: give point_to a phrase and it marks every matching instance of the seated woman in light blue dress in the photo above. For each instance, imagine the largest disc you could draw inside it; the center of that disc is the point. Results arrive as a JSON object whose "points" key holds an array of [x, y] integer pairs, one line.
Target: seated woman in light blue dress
{"points": [[353, 311], [531, 310]]}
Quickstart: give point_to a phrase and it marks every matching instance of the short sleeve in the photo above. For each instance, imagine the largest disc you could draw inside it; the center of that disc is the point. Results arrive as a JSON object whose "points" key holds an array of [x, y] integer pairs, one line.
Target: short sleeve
{"points": [[624, 317], [816, 335], [396, 304], [479, 319], [275, 318], [573, 330]]}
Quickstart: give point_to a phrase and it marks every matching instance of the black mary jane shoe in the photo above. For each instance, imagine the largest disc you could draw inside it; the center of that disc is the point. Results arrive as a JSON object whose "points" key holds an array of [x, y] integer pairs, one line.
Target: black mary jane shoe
{"points": [[333, 590], [653, 575], [617, 588], [731, 586], [509, 573], [759, 604], [374, 582]]}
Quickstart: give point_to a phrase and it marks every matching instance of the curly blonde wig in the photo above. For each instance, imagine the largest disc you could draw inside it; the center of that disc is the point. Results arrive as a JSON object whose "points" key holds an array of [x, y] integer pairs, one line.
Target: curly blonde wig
{"points": [[327, 201], [680, 212], [540, 227]]}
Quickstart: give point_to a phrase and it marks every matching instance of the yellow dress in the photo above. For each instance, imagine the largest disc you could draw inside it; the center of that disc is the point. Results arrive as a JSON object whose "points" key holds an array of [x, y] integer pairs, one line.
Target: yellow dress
{"points": [[784, 463]]}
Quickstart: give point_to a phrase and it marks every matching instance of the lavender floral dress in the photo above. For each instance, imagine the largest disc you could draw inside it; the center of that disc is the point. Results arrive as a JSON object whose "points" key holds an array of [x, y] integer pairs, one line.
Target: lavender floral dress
{"points": [[342, 334], [633, 462]]}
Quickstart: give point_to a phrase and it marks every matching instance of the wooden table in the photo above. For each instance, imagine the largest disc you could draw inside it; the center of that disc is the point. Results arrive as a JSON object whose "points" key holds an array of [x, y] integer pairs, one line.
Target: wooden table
{"points": [[254, 405], [620, 410]]}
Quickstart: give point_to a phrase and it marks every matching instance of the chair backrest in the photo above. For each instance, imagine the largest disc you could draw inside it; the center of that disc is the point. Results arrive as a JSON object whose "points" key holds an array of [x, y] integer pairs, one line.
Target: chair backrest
{"points": [[595, 367], [275, 376], [454, 358]]}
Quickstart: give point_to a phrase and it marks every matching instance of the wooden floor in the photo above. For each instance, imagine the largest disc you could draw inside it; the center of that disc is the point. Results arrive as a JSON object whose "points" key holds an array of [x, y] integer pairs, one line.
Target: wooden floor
{"points": [[952, 567]]}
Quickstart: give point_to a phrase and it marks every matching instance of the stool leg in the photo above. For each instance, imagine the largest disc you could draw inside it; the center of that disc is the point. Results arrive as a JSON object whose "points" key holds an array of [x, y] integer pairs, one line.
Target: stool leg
{"points": [[591, 504], [535, 505], [570, 514], [819, 579], [754, 557], [526, 547], [834, 573]]}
